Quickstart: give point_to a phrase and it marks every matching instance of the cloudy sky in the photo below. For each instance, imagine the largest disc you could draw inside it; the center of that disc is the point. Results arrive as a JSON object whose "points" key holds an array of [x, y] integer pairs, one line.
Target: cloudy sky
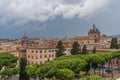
{"points": [[58, 18]]}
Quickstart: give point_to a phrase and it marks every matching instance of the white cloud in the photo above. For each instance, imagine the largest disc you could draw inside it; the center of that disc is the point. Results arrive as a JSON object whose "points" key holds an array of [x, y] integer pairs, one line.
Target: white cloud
{"points": [[22, 11]]}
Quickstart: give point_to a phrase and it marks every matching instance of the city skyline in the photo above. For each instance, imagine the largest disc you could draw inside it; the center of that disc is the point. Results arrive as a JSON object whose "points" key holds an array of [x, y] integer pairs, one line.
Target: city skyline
{"points": [[58, 18]]}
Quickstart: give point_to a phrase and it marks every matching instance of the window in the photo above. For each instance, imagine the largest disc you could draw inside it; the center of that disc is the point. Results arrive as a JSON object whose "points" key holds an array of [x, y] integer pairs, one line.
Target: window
{"points": [[48, 59], [52, 55], [49, 55], [53, 50], [88, 42], [45, 51], [45, 56], [40, 51], [40, 56], [36, 51], [32, 57], [28, 56], [49, 50], [32, 51], [36, 57]]}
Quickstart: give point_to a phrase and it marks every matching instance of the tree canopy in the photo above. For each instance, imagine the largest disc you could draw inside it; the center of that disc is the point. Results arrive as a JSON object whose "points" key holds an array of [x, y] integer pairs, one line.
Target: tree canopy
{"points": [[7, 60], [60, 49], [65, 74], [9, 72], [67, 67], [75, 48], [64, 67], [93, 78], [114, 43], [23, 74], [94, 49], [84, 49]]}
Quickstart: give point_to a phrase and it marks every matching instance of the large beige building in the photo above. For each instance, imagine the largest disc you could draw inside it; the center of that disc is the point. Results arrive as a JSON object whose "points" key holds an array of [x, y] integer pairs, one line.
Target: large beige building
{"points": [[40, 55], [42, 51]]}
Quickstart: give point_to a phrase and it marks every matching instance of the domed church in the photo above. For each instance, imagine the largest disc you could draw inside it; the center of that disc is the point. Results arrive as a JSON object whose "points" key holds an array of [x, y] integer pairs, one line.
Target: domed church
{"points": [[94, 34], [94, 38]]}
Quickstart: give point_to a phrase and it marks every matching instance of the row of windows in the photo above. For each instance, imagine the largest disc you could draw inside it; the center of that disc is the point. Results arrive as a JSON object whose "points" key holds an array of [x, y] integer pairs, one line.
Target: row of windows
{"points": [[38, 62], [45, 56], [41, 51]]}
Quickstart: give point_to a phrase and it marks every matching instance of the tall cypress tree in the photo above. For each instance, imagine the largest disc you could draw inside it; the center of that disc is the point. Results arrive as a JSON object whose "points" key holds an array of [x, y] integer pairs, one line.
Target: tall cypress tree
{"points": [[114, 43], [60, 49], [75, 48], [84, 49], [23, 74], [94, 49]]}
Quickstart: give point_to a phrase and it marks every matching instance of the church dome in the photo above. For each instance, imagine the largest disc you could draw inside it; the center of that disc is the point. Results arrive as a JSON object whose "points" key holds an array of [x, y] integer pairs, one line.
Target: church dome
{"points": [[24, 36], [94, 30]]}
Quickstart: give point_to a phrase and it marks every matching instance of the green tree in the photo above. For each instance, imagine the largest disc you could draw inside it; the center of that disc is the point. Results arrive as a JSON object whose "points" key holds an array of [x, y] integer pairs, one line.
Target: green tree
{"points": [[9, 72], [87, 68], [23, 74], [93, 78], [52, 70], [36, 70], [75, 63], [94, 49], [84, 49], [32, 72], [65, 74], [60, 49], [114, 44], [95, 59], [43, 71], [7, 60], [75, 48]]}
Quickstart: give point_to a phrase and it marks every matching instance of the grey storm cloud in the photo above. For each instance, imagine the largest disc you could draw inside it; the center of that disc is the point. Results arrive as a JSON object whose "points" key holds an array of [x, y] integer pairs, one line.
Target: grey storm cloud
{"points": [[22, 11]]}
